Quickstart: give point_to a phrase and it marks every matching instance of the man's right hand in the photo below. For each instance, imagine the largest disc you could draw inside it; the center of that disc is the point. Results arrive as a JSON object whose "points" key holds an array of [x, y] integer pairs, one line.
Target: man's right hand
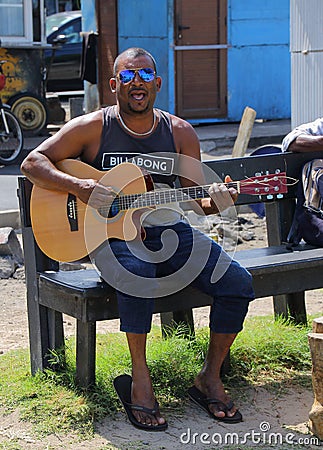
{"points": [[95, 194]]}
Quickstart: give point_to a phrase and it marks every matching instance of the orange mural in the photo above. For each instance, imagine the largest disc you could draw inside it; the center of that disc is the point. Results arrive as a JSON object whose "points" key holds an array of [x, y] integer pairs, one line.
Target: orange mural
{"points": [[21, 71]]}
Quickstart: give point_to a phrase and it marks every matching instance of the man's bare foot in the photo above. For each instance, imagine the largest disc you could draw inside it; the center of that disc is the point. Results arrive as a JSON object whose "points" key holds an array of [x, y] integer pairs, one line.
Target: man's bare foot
{"points": [[142, 394], [214, 389], [143, 416]]}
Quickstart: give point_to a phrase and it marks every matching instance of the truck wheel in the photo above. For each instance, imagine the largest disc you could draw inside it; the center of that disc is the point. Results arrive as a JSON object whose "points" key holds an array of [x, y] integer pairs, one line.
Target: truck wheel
{"points": [[31, 112]]}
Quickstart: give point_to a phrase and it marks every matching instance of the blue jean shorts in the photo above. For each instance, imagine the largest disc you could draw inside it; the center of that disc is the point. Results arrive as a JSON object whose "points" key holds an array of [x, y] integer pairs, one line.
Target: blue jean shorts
{"points": [[167, 260]]}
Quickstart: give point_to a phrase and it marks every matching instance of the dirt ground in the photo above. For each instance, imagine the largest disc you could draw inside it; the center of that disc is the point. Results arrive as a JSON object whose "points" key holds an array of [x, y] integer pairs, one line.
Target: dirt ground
{"points": [[268, 418]]}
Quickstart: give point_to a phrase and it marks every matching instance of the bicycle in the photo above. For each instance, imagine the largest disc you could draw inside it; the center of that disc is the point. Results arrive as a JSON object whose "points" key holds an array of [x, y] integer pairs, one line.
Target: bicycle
{"points": [[11, 134]]}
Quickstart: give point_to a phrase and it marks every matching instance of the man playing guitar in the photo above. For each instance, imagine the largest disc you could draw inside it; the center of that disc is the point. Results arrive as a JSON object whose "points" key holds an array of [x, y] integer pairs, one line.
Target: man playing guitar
{"points": [[166, 146]]}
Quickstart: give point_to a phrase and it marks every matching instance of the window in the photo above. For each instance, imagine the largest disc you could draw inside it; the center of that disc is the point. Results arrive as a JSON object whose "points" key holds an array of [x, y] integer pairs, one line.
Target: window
{"points": [[72, 32], [15, 21]]}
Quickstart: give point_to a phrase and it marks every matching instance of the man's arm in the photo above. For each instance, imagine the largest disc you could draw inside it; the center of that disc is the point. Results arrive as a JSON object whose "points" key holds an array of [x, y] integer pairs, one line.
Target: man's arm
{"points": [[305, 138], [190, 170], [80, 137], [306, 143]]}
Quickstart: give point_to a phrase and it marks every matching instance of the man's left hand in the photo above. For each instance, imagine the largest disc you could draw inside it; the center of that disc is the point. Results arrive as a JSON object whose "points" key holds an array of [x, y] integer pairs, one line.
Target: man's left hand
{"points": [[222, 196]]}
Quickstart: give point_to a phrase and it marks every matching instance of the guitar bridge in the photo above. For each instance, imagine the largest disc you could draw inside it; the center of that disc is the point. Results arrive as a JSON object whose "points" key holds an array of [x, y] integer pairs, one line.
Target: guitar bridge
{"points": [[71, 209]]}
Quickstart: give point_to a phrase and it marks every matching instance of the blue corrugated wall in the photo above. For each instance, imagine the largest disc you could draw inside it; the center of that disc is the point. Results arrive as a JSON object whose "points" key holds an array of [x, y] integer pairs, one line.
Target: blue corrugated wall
{"points": [[145, 24], [258, 54]]}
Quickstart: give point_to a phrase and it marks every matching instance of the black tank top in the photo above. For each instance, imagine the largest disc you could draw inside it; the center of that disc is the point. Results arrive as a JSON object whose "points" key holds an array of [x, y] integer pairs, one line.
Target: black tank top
{"points": [[155, 153]]}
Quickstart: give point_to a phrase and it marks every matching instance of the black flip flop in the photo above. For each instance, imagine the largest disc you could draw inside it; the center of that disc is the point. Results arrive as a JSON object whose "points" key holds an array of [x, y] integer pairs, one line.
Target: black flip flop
{"points": [[122, 385], [203, 402]]}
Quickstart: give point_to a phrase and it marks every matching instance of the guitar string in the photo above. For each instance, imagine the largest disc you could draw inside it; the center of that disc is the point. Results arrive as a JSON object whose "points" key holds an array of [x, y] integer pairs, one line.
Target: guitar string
{"points": [[182, 194], [192, 192], [149, 198], [124, 202]]}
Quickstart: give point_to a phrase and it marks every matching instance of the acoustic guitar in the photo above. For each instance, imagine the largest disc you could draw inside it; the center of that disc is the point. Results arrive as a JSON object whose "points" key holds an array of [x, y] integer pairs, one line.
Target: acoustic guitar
{"points": [[66, 229]]}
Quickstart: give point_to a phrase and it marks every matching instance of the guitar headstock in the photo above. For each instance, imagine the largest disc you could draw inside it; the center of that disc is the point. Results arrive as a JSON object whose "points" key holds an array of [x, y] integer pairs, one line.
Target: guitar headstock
{"points": [[264, 185]]}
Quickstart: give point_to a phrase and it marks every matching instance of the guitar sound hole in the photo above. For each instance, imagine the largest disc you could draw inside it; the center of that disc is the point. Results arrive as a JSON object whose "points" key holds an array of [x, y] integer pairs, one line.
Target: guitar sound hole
{"points": [[110, 211]]}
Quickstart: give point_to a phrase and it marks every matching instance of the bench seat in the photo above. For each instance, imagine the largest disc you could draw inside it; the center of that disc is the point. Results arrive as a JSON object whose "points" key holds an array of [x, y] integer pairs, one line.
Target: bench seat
{"points": [[277, 270], [82, 293]]}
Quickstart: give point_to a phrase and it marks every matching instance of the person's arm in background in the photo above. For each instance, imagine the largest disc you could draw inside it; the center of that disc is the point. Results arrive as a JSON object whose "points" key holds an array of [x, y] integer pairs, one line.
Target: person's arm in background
{"points": [[305, 138]]}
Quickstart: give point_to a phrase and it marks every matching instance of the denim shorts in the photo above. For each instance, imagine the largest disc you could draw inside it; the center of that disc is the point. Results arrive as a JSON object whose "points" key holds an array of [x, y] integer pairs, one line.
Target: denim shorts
{"points": [[167, 260]]}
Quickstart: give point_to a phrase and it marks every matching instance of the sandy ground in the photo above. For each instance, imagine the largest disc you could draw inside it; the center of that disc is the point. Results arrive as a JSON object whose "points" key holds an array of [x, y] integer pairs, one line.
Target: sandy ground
{"points": [[264, 413]]}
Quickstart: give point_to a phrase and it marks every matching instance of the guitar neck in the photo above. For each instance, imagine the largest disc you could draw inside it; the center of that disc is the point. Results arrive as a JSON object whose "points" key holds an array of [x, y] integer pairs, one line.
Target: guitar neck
{"points": [[262, 185], [166, 196]]}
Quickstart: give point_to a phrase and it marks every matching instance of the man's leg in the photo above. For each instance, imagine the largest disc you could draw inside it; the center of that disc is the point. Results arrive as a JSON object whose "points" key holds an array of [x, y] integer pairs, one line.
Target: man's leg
{"points": [[142, 390], [231, 287], [208, 380], [133, 278], [232, 294]]}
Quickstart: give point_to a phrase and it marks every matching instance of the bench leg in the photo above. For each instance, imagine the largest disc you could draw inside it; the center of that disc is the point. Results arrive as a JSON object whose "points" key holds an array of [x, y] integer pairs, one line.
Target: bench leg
{"points": [[297, 308], [291, 306], [38, 336], [173, 319], [45, 334], [56, 336], [280, 306], [85, 353]]}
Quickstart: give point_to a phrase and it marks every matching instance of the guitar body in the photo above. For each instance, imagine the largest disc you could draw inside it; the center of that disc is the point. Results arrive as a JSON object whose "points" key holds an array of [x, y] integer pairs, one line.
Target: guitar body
{"points": [[67, 229]]}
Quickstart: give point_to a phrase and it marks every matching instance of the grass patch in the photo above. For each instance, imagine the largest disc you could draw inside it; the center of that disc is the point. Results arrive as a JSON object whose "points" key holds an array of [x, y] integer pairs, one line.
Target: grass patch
{"points": [[42, 400], [274, 354]]}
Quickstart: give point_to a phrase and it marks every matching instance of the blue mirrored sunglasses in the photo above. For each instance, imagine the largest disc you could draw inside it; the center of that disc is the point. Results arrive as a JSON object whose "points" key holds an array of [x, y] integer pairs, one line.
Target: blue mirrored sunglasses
{"points": [[146, 74]]}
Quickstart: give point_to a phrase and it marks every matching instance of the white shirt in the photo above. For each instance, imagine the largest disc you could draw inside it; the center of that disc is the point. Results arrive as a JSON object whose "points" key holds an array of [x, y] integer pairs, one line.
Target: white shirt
{"points": [[163, 214], [312, 128]]}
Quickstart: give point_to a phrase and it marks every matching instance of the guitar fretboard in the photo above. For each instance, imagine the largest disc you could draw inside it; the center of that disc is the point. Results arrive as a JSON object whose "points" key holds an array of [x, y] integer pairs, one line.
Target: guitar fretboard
{"points": [[164, 196], [268, 185]]}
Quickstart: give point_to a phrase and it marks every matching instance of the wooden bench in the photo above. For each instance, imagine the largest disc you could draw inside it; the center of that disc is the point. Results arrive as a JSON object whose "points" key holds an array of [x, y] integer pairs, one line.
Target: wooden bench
{"points": [[276, 271]]}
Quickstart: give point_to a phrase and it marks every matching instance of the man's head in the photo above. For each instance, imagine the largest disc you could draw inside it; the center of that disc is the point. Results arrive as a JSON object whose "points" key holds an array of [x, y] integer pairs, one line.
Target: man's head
{"points": [[135, 80], [133, 52]]}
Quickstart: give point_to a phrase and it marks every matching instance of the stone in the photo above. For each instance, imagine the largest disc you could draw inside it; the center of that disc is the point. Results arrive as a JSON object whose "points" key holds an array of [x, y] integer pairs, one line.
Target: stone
{"points": [[227, 231], [10, 245], [19, 273], [247, 235], [7, 267]]}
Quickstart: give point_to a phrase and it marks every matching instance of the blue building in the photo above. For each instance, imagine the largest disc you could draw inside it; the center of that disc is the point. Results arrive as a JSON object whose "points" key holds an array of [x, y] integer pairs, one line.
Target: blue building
{"points": [[215, 56]]}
